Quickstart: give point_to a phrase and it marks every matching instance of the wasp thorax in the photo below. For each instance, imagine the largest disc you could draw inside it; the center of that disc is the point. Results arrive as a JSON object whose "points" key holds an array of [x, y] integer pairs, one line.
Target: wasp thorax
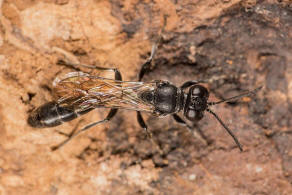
{"points": [[165, 99]]}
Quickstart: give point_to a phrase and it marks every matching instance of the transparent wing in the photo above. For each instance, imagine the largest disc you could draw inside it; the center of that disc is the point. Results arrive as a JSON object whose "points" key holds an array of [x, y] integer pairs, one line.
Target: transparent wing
{"points": [[84, 91]]}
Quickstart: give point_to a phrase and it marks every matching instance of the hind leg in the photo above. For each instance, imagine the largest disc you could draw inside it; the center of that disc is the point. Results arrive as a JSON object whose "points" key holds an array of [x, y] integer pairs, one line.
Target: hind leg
{"points": [[74, 133], [116, 71], [110, 115]]}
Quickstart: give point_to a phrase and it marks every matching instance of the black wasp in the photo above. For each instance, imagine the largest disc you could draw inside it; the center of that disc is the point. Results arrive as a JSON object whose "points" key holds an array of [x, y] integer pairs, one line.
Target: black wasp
{"points": [[79, 92]]}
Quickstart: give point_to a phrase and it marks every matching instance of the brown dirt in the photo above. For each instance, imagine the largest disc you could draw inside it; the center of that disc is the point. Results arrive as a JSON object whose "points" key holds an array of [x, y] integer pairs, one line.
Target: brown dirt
{"points": [[237, 45]]}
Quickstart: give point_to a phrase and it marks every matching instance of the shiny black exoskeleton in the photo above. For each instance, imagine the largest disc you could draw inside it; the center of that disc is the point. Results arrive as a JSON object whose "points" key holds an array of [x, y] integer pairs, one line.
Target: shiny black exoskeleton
{"points": [[169, 99], [196, 103], [166, 98], [52, 114]]}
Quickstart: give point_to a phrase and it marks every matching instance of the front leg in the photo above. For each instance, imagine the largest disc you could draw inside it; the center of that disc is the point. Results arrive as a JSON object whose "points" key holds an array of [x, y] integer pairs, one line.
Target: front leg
{"points": [[198, 133]]}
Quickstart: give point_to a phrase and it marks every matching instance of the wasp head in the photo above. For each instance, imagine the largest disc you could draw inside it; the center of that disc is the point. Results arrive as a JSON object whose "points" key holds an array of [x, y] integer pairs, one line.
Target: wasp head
{"points": [[196, 103]]}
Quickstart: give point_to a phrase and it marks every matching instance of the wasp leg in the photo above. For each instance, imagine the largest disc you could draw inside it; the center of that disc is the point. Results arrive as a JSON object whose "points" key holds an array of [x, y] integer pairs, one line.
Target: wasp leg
{"points": [[149, 134], [143, 124], [118, 75], [146, 67], [190, 83], [198, 133], [110, 115]]}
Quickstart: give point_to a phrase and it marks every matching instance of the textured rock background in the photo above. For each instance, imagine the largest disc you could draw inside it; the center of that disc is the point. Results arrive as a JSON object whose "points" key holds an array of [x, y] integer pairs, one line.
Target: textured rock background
{"points": [[236, 45]]}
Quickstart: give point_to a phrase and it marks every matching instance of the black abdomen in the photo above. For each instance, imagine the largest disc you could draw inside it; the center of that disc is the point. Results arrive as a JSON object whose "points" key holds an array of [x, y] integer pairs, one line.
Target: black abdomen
{"points": [[52, 114]]}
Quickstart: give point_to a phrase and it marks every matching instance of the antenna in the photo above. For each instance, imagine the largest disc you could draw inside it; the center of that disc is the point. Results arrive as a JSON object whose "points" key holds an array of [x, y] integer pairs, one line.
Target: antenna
{"points": [[226, 128], [249, 93]]}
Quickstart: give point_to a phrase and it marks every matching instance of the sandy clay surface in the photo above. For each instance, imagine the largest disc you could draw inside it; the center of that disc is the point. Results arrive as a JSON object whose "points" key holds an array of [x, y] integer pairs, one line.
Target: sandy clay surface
{"points": [[236, 45]]}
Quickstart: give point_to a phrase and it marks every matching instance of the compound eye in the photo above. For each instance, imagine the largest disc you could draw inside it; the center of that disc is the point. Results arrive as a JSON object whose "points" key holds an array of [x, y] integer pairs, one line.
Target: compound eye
{"points": [[193, 115], [199, 91]]}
